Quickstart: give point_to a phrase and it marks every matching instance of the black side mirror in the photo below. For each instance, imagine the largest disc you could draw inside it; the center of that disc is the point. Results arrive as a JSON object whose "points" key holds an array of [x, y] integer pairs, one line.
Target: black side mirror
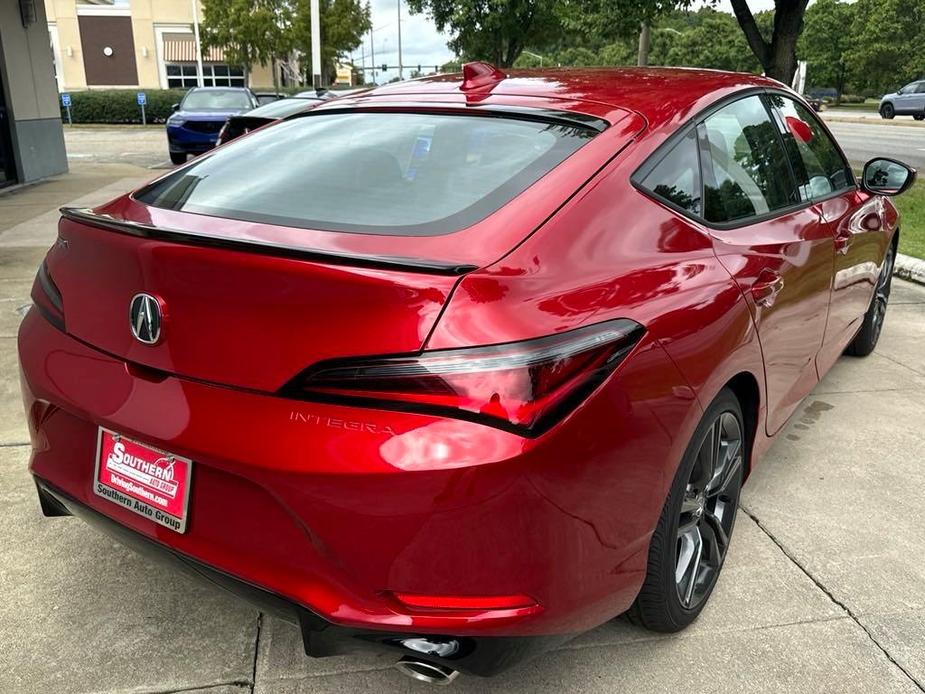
{"points": [[175, 107], [884, 176]]}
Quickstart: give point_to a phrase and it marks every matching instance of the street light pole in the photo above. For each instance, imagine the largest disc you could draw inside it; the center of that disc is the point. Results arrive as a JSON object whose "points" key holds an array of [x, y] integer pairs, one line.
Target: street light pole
{"points": [[316, 44], [195, 4], [400, 67], [372, 52]]}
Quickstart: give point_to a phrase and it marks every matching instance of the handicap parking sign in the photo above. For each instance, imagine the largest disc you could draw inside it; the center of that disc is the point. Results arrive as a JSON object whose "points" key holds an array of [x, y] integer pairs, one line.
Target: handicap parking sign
{"points": [[65, 99], [142, 99]]}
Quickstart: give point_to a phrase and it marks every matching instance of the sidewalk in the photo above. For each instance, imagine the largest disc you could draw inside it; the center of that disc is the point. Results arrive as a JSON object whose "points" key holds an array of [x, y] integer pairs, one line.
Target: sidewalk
{"points": [[823, 591]]}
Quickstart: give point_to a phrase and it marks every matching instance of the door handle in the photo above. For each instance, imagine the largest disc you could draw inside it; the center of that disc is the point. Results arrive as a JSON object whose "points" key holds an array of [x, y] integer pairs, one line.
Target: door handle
{"points": [[766, 288]]}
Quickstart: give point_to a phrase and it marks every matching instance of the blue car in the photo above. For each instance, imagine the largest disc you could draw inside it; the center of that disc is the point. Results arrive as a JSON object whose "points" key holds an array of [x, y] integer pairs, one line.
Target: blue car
{"points": [[194, 126]]}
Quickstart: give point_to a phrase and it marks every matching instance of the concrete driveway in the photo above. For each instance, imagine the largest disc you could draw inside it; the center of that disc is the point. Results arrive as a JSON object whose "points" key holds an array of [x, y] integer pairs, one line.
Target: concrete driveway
{"points": [[823, 591]]}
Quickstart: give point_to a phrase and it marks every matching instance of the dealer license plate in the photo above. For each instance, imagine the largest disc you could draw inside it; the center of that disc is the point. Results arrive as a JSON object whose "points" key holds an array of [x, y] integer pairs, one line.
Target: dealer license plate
{"points": [[150, 482]]}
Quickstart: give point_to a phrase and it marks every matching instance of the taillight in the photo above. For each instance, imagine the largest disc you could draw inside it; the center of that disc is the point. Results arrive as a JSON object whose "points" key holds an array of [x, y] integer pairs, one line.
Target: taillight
{"points": [[524, 387], [47, 298]]}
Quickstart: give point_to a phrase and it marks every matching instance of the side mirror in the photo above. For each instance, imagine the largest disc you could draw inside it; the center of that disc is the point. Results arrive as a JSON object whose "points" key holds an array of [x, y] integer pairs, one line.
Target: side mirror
{"points": [[887, 177], [175, 107]]}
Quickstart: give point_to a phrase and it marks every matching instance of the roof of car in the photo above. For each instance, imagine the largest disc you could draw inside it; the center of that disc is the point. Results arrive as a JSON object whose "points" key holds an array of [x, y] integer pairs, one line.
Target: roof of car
{"points": [[659, 94]]}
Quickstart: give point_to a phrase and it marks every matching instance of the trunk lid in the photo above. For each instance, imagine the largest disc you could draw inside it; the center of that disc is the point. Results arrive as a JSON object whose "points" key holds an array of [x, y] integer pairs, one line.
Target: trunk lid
{"points": [[236, 318]]}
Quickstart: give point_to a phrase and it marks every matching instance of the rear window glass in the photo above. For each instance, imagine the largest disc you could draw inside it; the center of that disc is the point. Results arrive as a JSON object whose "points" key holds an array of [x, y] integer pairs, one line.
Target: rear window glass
{"points": [[216, 100], [379, 173]]}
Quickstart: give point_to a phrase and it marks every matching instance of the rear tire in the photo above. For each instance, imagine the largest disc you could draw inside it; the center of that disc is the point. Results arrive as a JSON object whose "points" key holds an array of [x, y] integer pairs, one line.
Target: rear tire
{"points": [[919, 116], [688, 548], [178, 157], [869, 334], [887, 111]]}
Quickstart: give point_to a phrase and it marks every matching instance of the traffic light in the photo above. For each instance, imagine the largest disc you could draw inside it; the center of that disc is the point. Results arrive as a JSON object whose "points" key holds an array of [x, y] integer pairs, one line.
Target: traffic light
{"points": [[385, 67]]}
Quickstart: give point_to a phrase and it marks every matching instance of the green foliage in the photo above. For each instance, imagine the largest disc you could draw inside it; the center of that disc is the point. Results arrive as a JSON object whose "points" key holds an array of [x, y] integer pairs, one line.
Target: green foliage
{"points": [[251, 32], [121, 106], [714, 40], [496, 30], [825, 42], [887, 44], [706, 38], [254, 32], [343, 24], [911, 206]]}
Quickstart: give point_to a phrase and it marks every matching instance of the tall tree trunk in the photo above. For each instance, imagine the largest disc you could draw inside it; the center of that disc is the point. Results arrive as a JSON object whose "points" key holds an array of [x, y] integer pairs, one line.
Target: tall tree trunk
{"points": [[274, 66], [645, 44], [779, 56]]}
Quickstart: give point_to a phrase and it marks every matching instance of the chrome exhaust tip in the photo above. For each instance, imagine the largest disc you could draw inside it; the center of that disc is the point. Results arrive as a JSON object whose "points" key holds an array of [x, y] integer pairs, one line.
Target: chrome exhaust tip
{"points": [[423, 671]]}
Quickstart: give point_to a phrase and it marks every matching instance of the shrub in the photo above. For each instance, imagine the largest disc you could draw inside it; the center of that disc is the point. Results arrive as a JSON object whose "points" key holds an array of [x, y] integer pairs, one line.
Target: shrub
{"points": [[121, 105], [852, 99]]}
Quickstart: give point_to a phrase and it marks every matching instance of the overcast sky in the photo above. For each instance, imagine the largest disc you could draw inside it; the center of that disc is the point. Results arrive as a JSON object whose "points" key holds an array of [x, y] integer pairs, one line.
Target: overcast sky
{"points": [[421, 43]]}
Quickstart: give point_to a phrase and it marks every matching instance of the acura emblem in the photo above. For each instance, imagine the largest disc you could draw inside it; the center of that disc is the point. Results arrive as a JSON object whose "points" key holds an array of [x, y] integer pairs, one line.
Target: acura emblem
{"points": [[145, 317]]}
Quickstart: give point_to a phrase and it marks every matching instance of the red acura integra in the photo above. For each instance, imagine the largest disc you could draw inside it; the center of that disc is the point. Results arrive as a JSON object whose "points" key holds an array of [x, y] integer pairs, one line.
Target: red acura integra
{"points": [[460, 367]]}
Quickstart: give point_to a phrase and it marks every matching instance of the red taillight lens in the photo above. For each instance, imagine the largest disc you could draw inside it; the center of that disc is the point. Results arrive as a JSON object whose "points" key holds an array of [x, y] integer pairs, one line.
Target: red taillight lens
{"points": [[525, 387], [47, 298]]}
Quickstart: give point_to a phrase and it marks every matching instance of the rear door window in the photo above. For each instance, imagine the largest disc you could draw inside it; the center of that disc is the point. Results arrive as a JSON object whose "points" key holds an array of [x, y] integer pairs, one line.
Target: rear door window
{"points": [[372, 172], [818, 165], [745, 170]]}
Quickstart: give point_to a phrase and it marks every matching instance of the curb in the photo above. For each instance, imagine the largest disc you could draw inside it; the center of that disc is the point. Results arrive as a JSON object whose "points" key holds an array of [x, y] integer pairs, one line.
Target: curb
{"points": [[869, 120], [909, 268]]}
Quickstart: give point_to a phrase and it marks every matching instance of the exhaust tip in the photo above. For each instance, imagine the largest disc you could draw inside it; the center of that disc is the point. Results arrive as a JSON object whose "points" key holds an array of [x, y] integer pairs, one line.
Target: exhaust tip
{"points": [[423, 671]]}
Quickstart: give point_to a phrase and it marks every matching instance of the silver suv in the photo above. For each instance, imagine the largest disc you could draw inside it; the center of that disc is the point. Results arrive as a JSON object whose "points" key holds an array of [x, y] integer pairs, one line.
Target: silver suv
{"points": [[908, 101]]}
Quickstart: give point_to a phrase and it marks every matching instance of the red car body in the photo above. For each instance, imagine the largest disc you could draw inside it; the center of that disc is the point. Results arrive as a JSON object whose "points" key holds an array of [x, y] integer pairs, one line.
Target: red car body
{"points": [[363, 520]]}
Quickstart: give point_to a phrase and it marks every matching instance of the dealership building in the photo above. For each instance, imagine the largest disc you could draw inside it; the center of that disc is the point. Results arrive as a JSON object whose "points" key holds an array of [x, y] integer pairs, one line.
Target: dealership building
{"points": [[31, 138], [143, 44]]}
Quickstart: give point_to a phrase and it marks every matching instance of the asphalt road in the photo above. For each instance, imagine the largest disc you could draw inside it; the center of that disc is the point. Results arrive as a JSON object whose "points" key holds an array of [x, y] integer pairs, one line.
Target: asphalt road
{"points": [[864, 141]]}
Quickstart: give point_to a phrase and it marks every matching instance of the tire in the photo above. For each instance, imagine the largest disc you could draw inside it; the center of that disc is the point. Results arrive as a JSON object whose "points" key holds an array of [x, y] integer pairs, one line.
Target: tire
{"points": [[887, 111], [866, 339], [919, 116], [668, 602], [178, 157]]}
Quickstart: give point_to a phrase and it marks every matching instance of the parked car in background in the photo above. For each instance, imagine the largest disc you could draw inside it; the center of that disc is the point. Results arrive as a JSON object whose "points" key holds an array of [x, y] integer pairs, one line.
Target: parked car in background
{"points": [[243, 123], [908, 101], [194, 126], [459, 368], [268, 97], [814, 101]]}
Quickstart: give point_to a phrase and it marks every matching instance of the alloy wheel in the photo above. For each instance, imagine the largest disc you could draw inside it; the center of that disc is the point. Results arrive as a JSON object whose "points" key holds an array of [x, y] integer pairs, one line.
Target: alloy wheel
{"points": [[882, 292], [708, 510]]}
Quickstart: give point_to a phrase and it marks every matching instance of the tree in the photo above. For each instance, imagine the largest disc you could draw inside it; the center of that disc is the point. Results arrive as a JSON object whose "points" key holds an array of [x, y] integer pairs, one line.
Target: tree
{"points": [[343, 24], [887, 44], [254, 32], [775, 50], [778, 56], [497, 31], [825, 42], [251, 32], [714, 41]]}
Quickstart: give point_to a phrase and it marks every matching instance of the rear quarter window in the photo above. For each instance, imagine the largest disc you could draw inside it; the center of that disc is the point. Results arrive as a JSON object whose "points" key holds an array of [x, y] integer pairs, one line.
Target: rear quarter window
{"points": [[676, 178], [378, 173]]}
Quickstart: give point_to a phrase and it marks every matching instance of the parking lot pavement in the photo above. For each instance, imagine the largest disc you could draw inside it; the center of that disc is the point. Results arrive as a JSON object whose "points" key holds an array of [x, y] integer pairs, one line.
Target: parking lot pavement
{"points": [[125, 144], [823, 590]]}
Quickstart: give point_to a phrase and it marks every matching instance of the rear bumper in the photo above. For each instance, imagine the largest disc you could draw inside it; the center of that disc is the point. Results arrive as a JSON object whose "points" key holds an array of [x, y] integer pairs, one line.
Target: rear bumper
{"points": [[483, 656], [334, 510]]}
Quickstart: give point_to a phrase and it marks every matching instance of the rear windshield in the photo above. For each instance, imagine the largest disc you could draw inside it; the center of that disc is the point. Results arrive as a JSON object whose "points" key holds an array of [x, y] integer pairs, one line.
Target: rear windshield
{"points": [[417, 174], [216, 100]]}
